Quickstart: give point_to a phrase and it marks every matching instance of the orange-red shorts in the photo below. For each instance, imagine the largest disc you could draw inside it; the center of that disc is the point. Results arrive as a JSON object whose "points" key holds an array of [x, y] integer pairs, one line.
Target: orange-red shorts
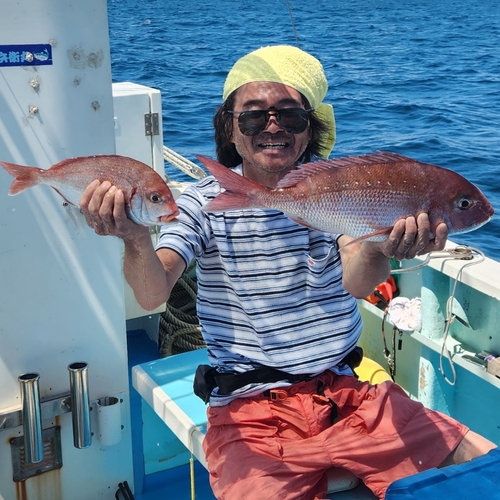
{"points": [[259, 448]]}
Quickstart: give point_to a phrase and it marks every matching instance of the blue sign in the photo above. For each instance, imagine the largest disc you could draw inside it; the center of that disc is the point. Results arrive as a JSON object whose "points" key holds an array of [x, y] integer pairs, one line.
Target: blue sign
{"points": [[25, 55]]}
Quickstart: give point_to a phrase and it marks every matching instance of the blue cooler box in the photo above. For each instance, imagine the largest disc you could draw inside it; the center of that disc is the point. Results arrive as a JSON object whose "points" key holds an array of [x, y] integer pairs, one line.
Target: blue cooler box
{"points": [[477, 479]]}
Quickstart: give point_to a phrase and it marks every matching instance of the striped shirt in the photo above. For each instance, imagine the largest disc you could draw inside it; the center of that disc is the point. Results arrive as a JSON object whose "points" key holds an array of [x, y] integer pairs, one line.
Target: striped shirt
{"points": [[269, 290]]}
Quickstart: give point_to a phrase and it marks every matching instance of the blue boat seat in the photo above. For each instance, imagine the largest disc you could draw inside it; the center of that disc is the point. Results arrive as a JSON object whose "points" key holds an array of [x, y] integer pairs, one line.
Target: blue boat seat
{"points": [[166, 384]]}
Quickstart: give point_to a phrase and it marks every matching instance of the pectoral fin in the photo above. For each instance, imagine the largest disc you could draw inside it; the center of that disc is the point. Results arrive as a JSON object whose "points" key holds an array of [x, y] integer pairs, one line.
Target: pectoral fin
{"points": [[386, 231]]}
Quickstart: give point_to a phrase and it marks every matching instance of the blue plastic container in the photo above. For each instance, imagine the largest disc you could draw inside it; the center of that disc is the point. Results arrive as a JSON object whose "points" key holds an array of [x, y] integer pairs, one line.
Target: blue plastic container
{"points": [[477, 479]]}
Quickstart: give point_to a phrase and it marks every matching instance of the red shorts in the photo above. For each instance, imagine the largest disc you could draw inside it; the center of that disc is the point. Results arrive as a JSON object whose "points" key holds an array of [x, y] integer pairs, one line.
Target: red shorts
{"points": [[259, 448]]}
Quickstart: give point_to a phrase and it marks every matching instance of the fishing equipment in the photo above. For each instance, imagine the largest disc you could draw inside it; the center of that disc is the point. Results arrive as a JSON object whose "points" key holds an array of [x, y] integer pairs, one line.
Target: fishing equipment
{"points": [[80, 404], [183, 164], [450, 315], [384, 292], [460, 252], [32, 419]]}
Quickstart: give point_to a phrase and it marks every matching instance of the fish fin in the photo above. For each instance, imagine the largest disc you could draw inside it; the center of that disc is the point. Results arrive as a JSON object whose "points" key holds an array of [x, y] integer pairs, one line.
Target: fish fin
{"points": [[228, 201], [385, 231], [300, 221], [239, 191], [25, 177], [309, 169], [64, 197]]}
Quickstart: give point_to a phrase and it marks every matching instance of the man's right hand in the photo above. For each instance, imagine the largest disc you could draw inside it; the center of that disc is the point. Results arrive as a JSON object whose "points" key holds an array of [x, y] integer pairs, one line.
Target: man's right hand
{"points": [[103, 206]]}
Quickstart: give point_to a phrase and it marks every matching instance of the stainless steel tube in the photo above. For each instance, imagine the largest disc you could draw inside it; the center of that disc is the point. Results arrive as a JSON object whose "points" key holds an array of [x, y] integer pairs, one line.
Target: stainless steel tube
{"points": [[32, 417], [80, 404]]}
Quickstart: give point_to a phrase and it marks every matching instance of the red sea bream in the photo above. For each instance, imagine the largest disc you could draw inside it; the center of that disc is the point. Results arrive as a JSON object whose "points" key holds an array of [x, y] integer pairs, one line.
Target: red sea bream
{"points": [[361, 196], [149, 201]]}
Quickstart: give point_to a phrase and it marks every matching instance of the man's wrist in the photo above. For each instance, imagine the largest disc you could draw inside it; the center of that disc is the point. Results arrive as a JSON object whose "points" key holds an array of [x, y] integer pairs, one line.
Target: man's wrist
{"points": [[139, 239]]}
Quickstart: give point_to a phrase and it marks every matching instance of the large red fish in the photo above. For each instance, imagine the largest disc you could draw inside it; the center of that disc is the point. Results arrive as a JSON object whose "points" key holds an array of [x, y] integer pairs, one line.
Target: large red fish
{"points": [[361, 196], [149, 201]]}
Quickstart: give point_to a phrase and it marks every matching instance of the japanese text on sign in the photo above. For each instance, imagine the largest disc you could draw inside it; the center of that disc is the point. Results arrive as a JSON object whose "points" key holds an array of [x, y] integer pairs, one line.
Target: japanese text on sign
{"points": [[25, 55]]}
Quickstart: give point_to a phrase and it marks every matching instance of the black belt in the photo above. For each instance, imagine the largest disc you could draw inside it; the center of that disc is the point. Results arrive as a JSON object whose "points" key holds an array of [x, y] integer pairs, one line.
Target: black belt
{"points": [[207, 377], [229, 382]]}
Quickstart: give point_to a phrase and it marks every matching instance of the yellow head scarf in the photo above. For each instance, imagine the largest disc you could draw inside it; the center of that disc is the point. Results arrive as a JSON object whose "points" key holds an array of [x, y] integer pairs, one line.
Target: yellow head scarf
{"points": [[290, 66]]}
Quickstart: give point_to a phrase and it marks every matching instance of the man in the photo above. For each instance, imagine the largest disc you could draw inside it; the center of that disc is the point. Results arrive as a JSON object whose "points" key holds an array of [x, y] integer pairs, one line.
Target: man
{"points": [[278, 297]]}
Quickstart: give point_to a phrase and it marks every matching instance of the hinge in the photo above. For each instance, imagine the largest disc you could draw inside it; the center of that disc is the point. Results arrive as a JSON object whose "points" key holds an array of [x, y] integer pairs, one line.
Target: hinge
{"points": [[152, 124]]}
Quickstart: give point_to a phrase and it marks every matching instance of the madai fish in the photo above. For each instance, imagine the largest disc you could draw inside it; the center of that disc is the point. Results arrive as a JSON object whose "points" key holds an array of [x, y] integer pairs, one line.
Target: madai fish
{"points": [[361, 196], [148, 199]]}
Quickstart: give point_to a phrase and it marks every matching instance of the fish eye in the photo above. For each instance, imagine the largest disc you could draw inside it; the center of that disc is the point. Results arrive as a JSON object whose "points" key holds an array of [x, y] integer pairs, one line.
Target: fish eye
{"points": [[465, 203], [155, 198]]}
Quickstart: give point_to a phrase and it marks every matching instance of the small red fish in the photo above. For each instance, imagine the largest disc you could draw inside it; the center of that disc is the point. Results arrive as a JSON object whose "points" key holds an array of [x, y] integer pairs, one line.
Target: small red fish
{"points": [[361, 196], [148, 199]]}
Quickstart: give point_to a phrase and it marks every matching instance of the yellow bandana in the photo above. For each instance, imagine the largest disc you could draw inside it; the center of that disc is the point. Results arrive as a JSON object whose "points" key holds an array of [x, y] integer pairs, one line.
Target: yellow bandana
{"points": [[292, 67]]}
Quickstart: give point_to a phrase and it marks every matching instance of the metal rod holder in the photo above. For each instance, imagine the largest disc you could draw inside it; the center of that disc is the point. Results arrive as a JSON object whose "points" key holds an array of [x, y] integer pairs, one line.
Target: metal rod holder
{"points": [[31, 417], [80, 404]]}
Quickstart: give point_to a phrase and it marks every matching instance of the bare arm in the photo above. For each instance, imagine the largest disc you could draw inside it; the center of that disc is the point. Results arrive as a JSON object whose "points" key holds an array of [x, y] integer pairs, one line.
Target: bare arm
{"points": [[152, 275], [366, 264]]}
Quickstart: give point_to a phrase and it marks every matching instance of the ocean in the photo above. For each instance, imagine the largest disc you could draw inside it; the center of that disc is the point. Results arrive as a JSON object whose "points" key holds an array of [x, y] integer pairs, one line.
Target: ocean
{"points": [[415, 77]]}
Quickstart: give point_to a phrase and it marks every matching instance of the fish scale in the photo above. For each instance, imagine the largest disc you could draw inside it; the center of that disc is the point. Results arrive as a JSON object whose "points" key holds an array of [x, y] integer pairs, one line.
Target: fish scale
{"points": [[355, 217], [362, 196]]}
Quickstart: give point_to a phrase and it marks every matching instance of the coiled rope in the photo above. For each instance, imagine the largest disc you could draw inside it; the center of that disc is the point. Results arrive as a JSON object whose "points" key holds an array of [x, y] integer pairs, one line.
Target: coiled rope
{"points": [[180, 329]]}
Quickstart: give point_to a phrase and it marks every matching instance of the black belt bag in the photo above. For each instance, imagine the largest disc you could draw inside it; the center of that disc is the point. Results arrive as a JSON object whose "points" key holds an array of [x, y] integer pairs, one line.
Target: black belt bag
{"points": [[207, 378]]}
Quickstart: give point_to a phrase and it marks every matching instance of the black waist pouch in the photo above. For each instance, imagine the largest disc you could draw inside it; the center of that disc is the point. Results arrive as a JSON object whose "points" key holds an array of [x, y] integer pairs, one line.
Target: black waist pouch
{"points": [[204, 381]]}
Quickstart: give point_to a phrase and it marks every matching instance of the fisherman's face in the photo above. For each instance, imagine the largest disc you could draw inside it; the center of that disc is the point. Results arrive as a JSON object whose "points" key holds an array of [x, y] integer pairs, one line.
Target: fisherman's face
{"points": [[272, 153]]}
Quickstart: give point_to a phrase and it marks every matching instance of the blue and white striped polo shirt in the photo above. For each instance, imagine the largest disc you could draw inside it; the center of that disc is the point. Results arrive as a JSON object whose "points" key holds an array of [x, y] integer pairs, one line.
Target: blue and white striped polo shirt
{"points": [[269, 290]]}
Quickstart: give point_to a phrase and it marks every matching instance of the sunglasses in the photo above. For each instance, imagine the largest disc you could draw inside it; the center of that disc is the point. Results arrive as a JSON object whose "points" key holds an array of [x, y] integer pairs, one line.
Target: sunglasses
{"points": [[293, 120]]}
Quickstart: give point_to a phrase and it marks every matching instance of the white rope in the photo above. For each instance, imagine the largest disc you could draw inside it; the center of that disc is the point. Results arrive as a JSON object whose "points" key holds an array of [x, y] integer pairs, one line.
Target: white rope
{"points": [[460, 252], [450, 317]]}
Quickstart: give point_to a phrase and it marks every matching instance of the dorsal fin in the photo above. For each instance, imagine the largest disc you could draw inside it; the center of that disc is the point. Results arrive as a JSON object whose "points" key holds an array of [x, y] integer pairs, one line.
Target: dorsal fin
{"points": [[309, 169]]}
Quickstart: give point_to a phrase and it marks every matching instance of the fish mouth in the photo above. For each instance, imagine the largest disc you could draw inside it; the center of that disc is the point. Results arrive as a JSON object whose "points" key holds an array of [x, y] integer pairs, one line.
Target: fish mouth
{"points": [[169, 218], [475, 226]]}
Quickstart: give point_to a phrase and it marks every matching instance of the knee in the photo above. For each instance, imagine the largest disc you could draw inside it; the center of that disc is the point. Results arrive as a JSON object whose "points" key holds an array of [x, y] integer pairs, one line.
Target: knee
{"points": [[472, 445]]}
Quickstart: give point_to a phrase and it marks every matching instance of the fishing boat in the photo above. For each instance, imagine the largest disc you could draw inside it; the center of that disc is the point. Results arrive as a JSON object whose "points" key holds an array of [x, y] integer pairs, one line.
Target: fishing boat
{"points": [[88, 407]]}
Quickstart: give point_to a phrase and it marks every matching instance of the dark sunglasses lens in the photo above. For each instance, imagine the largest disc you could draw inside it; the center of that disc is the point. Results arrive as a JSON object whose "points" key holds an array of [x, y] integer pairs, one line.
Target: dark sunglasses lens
{"points": [[294, 120], [252, 122]]}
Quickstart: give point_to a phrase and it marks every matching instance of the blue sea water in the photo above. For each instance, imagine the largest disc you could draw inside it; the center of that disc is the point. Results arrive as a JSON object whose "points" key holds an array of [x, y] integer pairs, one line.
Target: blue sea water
{"points": [[416, 77]]}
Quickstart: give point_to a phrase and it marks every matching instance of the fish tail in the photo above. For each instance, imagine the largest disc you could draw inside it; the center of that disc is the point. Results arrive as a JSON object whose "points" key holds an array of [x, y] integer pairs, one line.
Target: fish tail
{"points": [[25, 177], [239, 192]]}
